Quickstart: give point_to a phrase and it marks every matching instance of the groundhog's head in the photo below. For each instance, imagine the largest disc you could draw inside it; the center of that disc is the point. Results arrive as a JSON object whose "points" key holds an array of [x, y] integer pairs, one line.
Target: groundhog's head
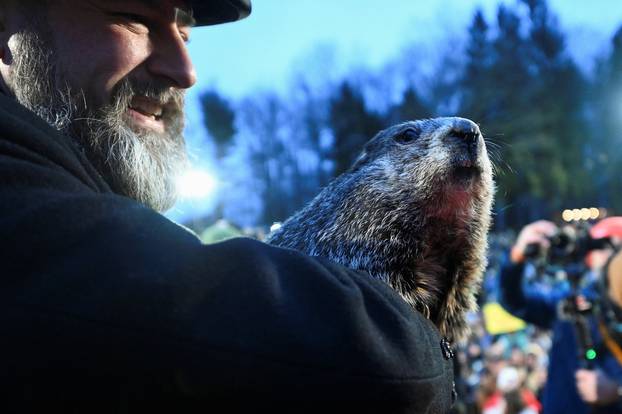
{"points": [[435, 181], [444, 162], [413, 211]]}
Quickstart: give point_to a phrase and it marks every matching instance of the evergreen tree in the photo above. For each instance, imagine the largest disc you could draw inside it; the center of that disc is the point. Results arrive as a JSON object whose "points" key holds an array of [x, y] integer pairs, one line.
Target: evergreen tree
{"points": [[311, 123], [411, 107], [526, 92], [265, 120], [607, 126], [499, 96], [476, 85], [219, 120], [545, 36], [558, 91], [508, 69], [352, 125]]}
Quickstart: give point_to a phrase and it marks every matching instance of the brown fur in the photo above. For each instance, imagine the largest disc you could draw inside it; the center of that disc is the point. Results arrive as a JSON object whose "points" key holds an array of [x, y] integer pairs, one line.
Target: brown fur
{"points": [[413, 212]]}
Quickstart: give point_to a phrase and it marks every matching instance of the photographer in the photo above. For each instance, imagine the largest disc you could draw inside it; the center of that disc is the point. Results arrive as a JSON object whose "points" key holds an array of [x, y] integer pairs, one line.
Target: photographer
{"points": [[569, 388], [595, 386]]}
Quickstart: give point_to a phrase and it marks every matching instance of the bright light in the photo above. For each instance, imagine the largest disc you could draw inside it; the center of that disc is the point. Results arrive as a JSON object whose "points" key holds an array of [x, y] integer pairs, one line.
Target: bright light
{"points": [[196, 184], [594, 213], [582, 214], [275, 226]]}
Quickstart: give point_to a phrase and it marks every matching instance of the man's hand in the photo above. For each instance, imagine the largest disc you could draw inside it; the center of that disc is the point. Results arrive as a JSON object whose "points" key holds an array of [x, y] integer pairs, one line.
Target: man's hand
{"points": [[595, 387], [534, 233]]}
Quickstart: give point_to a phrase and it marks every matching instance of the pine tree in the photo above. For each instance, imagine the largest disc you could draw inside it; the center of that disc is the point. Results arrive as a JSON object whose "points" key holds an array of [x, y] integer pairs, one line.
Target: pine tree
{"points": [[265, 119], [352, 125], [606, 157], [527, 94], [411, 107], [476, 85], [558, 91], [219, 120]]}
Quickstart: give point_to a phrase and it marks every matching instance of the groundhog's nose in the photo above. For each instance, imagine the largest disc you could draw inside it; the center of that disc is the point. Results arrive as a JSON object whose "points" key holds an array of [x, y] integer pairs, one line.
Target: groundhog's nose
{"points": [[464, 130]]}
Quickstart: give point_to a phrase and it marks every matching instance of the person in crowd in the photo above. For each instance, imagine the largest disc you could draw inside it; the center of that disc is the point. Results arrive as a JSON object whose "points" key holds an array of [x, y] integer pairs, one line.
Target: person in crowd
{"points": [[569, 388], [107, 306], [535, 364], [511, 396], [597, 386]]}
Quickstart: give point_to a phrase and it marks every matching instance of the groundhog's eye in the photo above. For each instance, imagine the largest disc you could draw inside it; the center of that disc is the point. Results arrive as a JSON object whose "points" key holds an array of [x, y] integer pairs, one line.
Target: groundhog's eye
{"points": [[407, 136]]}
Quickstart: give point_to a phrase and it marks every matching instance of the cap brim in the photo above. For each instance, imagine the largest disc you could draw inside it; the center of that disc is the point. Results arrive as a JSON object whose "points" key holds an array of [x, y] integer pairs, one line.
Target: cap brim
{"points": [[209, 12]]}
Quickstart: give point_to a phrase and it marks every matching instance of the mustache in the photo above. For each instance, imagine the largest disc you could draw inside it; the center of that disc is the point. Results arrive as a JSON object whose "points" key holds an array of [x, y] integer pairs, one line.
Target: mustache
{"points": [[171, 99]]}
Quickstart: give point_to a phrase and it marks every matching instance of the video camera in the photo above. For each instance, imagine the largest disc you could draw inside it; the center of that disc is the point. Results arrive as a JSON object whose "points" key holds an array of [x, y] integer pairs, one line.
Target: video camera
{"points": [[565, 256], [568, 247]]}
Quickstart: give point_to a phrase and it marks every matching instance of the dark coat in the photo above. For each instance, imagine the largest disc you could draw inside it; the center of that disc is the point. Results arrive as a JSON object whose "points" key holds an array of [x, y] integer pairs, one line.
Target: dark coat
{"points": [[107, 306]]}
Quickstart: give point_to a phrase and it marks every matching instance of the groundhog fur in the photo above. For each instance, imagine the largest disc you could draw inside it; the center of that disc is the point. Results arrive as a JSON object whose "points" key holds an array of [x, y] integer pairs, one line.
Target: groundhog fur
{"points": [[414, 211]]}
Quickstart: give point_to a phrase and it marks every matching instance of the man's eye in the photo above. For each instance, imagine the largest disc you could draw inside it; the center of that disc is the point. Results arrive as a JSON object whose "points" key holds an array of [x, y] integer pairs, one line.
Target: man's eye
{"points": [[133, 19]]}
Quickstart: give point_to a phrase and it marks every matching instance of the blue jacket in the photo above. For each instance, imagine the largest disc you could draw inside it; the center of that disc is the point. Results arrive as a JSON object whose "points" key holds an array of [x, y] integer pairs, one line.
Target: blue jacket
{"points": [[540, 307]]}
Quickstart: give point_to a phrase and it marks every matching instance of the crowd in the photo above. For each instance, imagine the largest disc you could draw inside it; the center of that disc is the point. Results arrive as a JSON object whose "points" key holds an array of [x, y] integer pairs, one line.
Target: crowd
{"points": [[493, 368], [540, 364], [509, 366]]}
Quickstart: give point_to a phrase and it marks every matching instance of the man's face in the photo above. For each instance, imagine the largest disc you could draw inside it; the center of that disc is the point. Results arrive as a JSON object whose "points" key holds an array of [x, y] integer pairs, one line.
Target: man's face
{"points": [[112, 74]]}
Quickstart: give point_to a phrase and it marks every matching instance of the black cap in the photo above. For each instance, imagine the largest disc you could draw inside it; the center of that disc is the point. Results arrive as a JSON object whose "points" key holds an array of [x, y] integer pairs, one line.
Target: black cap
{"points": [[209, 12]]}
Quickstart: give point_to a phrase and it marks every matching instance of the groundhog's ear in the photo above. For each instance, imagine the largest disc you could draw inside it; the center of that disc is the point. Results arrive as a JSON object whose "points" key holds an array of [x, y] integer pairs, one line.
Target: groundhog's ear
{"points": [[360, 160]]}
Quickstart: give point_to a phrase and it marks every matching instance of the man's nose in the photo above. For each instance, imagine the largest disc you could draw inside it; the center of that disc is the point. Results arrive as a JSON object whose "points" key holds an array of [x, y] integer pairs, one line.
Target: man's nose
{"points": [[170, 59]]}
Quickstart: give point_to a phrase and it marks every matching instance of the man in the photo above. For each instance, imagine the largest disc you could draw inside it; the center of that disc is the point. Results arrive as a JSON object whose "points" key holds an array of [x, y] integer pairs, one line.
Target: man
{"points": [[106, 305], [569, 388], [599, 387]]}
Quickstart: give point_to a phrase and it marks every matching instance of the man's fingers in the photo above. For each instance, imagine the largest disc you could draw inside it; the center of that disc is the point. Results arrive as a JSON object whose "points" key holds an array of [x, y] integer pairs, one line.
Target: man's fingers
{"points": [[585, 375], [545, 227], [537, 232], [581, 373], [586, 385]]}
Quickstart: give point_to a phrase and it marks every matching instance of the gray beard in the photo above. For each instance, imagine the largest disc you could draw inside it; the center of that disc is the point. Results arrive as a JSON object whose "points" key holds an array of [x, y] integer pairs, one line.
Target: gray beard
{"points": [[140, 164]]}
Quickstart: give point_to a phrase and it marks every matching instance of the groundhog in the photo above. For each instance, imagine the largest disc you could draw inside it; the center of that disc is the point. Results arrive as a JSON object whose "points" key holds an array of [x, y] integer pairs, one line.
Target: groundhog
{"points": [[414, 211]]}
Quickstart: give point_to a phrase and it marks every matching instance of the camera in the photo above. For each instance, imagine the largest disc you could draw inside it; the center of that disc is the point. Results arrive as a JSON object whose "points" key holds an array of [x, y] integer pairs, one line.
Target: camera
{"points": [[569, 245]]}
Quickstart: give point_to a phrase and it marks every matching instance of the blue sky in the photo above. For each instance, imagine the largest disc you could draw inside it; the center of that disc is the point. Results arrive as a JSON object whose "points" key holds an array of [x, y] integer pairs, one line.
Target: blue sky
{"points": [[280, 36], [259, 51]]}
